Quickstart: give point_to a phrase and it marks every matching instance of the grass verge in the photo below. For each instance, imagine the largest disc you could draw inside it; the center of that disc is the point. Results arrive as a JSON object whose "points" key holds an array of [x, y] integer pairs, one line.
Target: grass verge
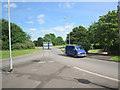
{"points": [[5, 53], [115, 58], [95, 50]]}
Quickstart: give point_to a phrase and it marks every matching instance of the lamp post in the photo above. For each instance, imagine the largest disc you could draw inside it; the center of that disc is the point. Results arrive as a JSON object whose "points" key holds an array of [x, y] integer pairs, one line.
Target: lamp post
{"points": [[68, 29], [118, 11], [10, 58]]}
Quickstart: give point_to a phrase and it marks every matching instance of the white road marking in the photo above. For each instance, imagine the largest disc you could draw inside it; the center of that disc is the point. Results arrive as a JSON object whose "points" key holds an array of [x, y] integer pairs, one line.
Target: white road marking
{"points": [[96, 74], [37, 83], [51, 61], [41, 62]]}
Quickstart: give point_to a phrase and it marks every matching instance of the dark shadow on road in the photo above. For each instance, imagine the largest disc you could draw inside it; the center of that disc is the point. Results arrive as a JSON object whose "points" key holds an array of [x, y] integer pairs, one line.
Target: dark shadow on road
{"points": [[85, 81], [35, 60]]}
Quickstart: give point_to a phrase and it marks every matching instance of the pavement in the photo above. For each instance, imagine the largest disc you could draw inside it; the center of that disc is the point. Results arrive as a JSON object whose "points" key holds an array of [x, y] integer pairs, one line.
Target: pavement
{"points": [[53, 69]]}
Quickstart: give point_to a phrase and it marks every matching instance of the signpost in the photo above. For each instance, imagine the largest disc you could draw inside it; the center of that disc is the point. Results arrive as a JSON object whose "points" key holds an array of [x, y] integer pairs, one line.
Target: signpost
{"points": [[47, 45]]}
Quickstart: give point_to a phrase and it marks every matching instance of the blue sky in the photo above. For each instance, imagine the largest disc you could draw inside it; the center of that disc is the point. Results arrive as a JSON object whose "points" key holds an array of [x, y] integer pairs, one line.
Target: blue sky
{"points": [[39, 18]]}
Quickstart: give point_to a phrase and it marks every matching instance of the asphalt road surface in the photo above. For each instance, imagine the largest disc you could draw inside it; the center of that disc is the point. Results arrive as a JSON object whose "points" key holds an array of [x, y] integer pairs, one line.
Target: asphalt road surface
{"points": [[54, 69]]}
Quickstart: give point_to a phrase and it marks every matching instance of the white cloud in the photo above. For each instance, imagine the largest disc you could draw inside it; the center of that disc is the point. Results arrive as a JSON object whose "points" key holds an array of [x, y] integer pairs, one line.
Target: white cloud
{"points": [[32, 29], [30, 22], [41, 18], [11, 5], [41, 21], [58, 28], [54, 29], [66, 5], [69, 26]]}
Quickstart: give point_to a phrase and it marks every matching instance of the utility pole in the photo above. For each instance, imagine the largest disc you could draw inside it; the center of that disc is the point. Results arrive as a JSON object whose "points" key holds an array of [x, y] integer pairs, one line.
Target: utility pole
{"points": [[10, 58], [68, 29], [118, 11]]}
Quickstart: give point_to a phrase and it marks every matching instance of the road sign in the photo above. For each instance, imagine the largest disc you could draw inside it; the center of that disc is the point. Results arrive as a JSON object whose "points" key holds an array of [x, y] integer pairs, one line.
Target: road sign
{"points": [[47, 45]]}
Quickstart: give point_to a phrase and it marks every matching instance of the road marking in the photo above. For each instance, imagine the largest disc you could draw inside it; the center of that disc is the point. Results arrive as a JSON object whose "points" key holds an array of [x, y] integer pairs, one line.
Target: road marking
{"points": [[51, 61], [37, 83], [96, 74], [41, 62]]}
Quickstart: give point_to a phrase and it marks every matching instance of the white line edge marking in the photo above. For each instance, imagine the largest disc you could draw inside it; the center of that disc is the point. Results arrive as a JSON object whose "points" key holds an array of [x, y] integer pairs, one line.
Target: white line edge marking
{"points": [[96, 74]]}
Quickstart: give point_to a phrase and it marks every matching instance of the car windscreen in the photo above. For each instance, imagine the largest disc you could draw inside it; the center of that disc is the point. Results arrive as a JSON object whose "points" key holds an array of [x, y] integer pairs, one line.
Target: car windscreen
{"points": [[79, 48]]}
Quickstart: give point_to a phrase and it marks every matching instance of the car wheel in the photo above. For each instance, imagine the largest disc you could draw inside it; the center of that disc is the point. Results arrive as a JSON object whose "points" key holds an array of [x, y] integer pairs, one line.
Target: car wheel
{"points": [[75, 55]]}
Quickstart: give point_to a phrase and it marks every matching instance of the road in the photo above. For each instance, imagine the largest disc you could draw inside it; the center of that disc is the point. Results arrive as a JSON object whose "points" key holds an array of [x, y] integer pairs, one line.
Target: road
{"points": [[54, 69]]}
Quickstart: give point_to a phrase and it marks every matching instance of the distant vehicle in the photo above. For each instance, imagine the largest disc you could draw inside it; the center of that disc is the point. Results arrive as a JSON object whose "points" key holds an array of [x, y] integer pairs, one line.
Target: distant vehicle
{"points": [[75, 50]]}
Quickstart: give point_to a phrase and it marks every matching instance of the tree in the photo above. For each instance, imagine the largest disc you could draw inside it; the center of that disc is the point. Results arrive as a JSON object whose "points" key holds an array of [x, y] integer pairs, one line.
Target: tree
{"points": [[50, 38], [40, 41], [59, 41], [28, 37], [17, 34], [79, 35], [35, 42], [105, 31]]}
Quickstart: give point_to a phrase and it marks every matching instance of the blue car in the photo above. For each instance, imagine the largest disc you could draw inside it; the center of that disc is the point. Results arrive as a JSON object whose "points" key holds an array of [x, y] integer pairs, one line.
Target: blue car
{"points": [[75, 50]]}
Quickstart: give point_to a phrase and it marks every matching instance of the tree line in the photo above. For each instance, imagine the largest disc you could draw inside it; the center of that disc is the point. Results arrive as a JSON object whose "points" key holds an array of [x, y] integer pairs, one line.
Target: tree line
{"points": [[102, 34], [49, 38]]}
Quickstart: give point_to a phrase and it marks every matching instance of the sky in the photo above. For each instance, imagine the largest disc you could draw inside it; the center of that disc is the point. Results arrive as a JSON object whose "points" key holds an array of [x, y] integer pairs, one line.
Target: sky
{"points": [[40, 18]]}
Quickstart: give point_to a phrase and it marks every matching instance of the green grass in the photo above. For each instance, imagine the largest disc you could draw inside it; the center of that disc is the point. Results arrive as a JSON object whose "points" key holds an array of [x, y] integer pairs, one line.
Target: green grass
{"points": [[59, 45], [5, 53], [63, 49], [115, 58], [95, 50], [89, 54]]}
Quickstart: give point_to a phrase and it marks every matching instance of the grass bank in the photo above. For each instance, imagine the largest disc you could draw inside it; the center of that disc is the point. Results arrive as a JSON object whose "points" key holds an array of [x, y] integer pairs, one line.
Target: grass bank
{"points": [[5, 53], [115, 58], [95, 50]]}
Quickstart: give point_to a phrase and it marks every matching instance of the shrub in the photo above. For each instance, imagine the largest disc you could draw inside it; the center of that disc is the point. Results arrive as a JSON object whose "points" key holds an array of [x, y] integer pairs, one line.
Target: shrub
{"points": [[30, 45], [113, 50], [26, 45], [17, 46]]}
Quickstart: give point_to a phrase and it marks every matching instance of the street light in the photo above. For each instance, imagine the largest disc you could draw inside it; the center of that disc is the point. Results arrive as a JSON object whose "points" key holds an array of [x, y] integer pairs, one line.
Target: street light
{"points": [[10, 58], [118, 11], [68, 29]]}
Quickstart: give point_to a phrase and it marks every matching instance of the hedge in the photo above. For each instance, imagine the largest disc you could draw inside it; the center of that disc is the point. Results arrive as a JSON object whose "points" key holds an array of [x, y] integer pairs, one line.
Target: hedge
{"points": [[26, 45]]}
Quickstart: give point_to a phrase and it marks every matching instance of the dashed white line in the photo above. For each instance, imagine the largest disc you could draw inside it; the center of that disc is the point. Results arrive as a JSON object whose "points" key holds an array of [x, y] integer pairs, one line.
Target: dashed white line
{"points": [[96, 74]]}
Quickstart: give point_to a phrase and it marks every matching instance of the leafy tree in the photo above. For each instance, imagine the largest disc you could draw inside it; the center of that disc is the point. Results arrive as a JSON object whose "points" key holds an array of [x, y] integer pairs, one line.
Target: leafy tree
{"points": [[79, 35], [28, 37], [35, 42], [59, 41], [105, 31], [47, 38], [50, 38], [17, 34], [40, 41]]}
